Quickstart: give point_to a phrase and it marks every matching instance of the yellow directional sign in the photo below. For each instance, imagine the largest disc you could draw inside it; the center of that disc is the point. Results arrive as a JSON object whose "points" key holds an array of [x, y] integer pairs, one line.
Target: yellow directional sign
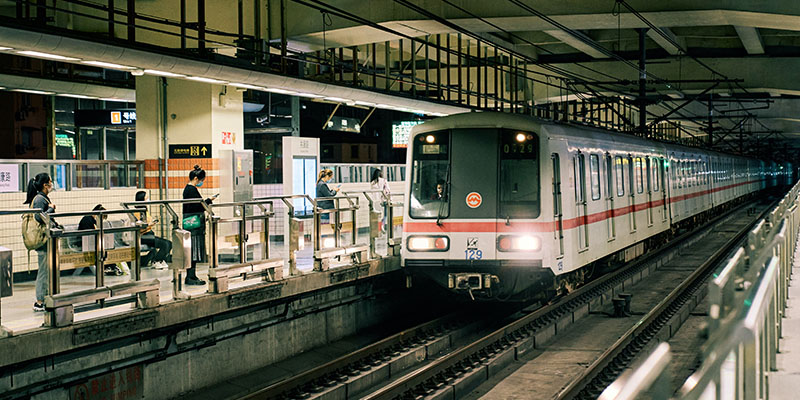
{"points": [[200, 150]]}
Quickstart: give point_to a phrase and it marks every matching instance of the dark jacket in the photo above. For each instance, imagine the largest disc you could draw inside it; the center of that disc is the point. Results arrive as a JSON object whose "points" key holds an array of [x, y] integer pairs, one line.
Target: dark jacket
{"points": [[324, 191], [42, 202], [191, 192], [87, 222]]}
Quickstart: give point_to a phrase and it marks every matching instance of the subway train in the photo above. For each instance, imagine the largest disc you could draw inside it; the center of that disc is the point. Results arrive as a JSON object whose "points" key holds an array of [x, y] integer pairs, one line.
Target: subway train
{"points": [[506, 207]]}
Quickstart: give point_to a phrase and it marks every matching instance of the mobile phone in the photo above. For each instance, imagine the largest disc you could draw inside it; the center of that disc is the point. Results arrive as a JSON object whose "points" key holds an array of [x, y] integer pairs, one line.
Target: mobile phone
{"points": [[155, 221], [216, 195]]}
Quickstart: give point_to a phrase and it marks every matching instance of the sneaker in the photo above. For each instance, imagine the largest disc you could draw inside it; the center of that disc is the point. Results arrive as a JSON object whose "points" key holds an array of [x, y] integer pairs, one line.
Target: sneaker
{"points": [[160, 265], [38, 307], [194, 281]]}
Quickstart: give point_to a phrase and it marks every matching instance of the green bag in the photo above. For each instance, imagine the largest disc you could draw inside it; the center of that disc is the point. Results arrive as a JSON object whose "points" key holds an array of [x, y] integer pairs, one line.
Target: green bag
{"points": [[193, 221]]}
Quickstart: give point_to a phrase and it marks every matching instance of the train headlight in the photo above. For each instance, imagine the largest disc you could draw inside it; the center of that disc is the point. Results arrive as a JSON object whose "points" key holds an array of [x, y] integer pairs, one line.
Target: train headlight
{"points": [[519, 243], [428, 243]]}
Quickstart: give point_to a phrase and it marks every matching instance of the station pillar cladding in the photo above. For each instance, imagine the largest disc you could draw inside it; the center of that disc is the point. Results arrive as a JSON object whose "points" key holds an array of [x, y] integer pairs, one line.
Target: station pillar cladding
{"points": [[188, 123]]}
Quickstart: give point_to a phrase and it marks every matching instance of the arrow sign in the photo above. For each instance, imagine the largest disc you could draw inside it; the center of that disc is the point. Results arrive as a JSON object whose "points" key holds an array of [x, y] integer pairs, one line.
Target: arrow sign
{"points": [[196, 150]]}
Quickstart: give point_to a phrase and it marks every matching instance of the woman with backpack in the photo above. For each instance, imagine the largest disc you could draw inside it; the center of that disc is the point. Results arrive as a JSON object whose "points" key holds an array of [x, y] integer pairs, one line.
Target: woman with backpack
{"points": [[378, 182], [38, 189]]}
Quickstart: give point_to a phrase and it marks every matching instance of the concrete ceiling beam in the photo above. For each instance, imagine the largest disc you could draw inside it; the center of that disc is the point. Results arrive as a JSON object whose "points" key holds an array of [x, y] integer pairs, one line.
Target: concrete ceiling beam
{"points": [[575, 43], [750, 39], [667, 44]]}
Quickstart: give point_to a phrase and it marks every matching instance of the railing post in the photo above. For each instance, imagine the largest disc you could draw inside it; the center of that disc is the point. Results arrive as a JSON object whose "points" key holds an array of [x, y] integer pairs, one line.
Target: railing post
{"points": [[243, 236]]}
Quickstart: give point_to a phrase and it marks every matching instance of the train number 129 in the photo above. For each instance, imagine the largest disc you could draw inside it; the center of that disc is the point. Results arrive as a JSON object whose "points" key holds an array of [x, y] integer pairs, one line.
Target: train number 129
{"points": [[472, 254]]}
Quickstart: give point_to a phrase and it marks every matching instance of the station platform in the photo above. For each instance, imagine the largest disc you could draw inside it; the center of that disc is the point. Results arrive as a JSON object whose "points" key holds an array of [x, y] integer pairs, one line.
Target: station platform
{"points": [[783, 383]]}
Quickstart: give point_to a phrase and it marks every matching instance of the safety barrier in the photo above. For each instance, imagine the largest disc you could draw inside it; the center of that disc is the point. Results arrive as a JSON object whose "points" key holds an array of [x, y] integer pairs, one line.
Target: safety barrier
{"points": [[81, 174], [60, 307], [240, 248], [747, 298]]}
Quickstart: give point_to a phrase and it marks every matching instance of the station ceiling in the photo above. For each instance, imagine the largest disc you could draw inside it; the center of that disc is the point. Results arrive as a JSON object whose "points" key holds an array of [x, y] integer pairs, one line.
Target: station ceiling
{"points": [[724, 66], [743, 55]]}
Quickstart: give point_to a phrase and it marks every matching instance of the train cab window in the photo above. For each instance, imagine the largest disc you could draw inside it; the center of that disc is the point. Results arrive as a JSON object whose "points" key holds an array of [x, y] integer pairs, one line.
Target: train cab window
{"points": [[638, 172], [430, 176], [594, 171], [519, 174], [620, 176]]}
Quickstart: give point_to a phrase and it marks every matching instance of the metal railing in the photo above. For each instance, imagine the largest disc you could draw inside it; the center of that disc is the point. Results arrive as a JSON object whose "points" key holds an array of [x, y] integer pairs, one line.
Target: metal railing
{"points": [[3, 331], [79, 174], [747, 298], [61, 307], [249, 219], [362, 173]]}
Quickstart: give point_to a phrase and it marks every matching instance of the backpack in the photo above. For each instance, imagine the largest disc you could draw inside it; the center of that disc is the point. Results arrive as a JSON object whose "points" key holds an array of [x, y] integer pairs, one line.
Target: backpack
{"points": [[34, 233]]}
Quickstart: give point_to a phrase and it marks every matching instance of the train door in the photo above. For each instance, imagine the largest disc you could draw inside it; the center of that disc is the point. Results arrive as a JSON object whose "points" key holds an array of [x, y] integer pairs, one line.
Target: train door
{"points": [[610, 197], [649, 189], [632, 195], [557, 210], [579, 164]]}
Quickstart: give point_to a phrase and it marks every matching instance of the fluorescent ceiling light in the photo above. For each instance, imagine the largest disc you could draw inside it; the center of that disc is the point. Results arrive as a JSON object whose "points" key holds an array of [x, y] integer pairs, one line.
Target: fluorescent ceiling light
{"points": [[76, 96], [279, 91], [338, 99], [163, 73], [206, 80], [106, 65], [419, 112], [115, 99], [365, 103], [309, 95], [32, 91], [38, 54], [438, 115], [247, 86], [383, 106], [5, 48]]}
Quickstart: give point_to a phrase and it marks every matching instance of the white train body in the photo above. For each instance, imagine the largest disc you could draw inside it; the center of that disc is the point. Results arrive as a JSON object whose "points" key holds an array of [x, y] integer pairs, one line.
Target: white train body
{"points": [[524, 201]]}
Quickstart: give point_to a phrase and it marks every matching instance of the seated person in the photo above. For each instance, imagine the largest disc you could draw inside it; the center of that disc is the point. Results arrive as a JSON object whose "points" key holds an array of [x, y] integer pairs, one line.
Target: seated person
{"points": [[160, 248], [90, 222]]}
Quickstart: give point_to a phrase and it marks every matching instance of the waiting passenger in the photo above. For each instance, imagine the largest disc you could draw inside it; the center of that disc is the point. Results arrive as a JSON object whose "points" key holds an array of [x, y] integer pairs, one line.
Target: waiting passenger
{"points": [[90, 222], [160, 248], [324, 191], [38, 189], [379, 183], [194, 220]]}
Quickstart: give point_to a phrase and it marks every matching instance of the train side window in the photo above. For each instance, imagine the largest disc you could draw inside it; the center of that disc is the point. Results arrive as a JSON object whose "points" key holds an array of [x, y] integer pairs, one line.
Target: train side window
{"points": [[620, 176], [594, 172], [609, 177], [630, 175], [648, 175], [639, 179], [655, 163], [679, 173], [580, 176]]}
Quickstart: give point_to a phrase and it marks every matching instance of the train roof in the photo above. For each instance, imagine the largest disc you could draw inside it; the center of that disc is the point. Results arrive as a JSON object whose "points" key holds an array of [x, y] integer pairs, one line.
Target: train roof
{"points": [[490, 119]]}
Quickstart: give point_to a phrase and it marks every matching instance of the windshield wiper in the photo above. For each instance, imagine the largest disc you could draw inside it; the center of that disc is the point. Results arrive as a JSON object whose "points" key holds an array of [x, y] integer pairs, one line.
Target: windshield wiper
{"points": [[445, 197]]}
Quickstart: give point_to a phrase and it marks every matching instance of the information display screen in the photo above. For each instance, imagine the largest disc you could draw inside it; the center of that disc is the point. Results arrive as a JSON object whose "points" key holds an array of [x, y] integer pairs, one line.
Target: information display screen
{"points": [[400, 132]]}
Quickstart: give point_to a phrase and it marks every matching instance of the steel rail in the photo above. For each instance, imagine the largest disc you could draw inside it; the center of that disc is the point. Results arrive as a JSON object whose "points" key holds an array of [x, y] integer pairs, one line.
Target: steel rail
{"points": [[473, 354], [334, 367]]}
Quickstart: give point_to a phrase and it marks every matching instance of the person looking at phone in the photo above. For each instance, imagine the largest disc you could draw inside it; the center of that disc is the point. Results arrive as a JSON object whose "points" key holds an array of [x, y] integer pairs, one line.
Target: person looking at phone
{"points": [[198, 234], [160, 248], [323, 190]]}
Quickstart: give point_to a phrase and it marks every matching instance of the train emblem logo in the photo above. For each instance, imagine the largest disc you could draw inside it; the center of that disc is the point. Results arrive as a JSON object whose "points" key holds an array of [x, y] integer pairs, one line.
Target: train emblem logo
{"points": [[472, 243], [474, 200]]}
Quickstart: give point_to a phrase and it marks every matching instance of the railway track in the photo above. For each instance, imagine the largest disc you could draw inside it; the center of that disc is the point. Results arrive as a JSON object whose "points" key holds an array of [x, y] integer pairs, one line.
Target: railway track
{"points": [[428, 361]]}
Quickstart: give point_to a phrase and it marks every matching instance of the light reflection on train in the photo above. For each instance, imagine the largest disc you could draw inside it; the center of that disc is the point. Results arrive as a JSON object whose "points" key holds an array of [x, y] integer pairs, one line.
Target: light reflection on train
{"points": [[508, 207]]}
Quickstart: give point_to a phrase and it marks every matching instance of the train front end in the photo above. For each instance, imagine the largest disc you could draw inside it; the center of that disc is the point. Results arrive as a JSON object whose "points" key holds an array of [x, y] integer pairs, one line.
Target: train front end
{"points": [[472, 216]]}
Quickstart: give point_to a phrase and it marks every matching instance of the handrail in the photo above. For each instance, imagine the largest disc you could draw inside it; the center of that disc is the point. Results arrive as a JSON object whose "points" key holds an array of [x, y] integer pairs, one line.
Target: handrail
{"points": [[747, 297]]}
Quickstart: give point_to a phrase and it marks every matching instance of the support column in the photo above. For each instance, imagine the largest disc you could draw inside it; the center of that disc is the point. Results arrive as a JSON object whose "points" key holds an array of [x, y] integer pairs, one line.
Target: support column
{"points": [[642, 100], [196, 113]]}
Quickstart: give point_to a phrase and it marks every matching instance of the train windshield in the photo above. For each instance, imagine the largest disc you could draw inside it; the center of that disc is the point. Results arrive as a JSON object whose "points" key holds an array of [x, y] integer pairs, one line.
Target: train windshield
{"points": [[519, 175], [430, 176]]}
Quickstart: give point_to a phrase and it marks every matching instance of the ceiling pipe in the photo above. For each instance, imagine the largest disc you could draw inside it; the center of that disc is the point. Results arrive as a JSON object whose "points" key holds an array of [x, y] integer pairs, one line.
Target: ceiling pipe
{"points": [[11, 82], [20, 39]]}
